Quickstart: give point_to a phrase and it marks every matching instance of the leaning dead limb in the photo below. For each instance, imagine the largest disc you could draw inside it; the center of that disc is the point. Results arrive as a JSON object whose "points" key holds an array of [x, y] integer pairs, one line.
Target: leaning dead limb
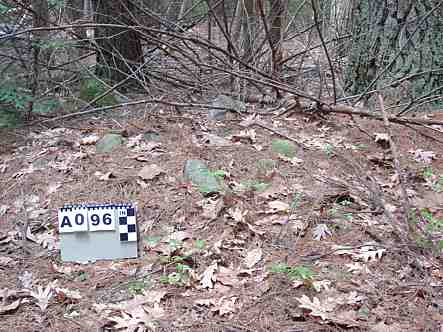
{"points": [[406, 206], [345, 109]]}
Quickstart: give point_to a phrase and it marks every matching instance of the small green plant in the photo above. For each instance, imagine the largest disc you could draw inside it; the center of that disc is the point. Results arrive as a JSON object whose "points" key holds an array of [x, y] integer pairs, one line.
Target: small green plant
{"points": [[427, 172], [211, 181], [433, 224], [283, 147], [328, 149], [435, 181], [360, 146], [200, 244], [427, 226], [218, 173], [296, 198], [255, 185], [91, 88], [82, 276], [137, 286], [293, 272], [180, 275], [264, 165]]}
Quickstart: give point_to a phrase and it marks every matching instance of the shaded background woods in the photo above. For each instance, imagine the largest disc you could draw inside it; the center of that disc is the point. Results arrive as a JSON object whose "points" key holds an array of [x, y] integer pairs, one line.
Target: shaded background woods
{"points": [[57, 56]]}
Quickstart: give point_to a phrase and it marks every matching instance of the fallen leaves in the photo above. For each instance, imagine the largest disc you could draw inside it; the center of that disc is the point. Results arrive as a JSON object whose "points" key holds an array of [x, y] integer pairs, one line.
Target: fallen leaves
{"points": [[224, 305], [150, 172], [366, 253], [422, 156], [42, 295], [316, 307], [321, 231], [277, 206], [137, 314], [253, 257], [207, 278], [5, 308]]}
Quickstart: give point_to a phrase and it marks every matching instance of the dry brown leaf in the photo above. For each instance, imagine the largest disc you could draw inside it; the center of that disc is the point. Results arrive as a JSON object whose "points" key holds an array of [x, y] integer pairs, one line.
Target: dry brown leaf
{"points": [[70, 294], [208, 278], [382, 327], [104, 176], [89, 140], [179, 236], [225, 305], [277, 206], [6, 261], [238, 213], [316, 307], [254, 229], [154, 296], [128, 323], [247, 134], [149, 172], [5, 308], [211, 207], [205, 302], [423, 156], [227, 276], [253, 257], [321, 284]]}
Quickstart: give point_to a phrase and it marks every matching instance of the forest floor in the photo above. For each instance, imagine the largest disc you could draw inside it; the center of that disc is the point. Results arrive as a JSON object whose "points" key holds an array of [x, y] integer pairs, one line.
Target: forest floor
{"points": [[304, 237]]}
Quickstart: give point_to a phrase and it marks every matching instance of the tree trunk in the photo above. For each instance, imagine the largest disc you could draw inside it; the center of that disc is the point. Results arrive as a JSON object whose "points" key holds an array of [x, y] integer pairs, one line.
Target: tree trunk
{"points": [[120, 50], [40, 55], [277, 20], [394, 39], [249, 28]]}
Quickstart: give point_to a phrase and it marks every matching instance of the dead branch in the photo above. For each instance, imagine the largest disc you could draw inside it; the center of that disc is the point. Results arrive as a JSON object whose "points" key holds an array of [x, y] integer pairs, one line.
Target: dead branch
{"points": [[345, 109], [406, 206]]}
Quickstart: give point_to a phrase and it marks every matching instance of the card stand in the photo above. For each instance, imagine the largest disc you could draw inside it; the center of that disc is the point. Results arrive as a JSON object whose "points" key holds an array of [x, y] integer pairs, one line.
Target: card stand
{"points": [[91, 231]]}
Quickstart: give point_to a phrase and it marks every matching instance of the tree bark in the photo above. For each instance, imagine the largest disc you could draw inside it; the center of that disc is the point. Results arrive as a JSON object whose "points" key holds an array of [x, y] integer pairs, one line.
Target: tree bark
{"points": [[277, 20], [120, 50]]}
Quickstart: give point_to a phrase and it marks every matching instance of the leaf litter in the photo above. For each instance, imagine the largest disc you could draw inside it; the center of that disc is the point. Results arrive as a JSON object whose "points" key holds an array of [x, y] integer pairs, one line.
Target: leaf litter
{"points": [[241, 234]]}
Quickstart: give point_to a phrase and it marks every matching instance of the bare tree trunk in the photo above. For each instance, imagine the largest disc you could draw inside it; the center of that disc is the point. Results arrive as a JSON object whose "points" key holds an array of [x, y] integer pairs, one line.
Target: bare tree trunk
{"points": [[120, 50], [186, 4], [40, 56], [277, 19], [249, 23]]}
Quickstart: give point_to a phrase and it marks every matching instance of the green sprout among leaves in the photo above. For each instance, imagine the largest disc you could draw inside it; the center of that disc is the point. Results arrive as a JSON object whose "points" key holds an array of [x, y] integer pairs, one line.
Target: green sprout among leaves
{"points": [[283, 147], [328, 149], [200, 244], [296, 198], [293, 272], [255, 185], [137, 286], [264, 165]]}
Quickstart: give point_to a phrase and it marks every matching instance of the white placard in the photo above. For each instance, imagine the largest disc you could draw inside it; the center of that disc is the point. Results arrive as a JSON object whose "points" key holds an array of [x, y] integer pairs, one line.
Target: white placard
{"points": [[73, 219], [101, 218]]}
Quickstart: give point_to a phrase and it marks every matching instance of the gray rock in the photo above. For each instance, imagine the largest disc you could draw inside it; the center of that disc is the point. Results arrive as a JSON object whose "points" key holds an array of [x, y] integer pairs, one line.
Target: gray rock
{"points": [[108, 142], [226, 102], [198, 173]]}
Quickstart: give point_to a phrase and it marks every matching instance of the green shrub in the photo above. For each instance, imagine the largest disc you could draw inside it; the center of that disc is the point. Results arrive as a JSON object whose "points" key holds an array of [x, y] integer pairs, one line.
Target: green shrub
{"points": [[91, 88], [284, 147]]}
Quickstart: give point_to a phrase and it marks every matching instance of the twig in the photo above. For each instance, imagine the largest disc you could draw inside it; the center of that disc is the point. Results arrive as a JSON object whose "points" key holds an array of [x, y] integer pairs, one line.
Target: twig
{"points": [[331, 67], [406, 206], [261, 125], [132, 103], [344, 109]]}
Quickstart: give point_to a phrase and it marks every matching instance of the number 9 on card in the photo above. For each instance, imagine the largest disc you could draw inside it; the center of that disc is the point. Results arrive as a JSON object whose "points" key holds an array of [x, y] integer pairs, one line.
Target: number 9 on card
{"points": [[101, 218]]}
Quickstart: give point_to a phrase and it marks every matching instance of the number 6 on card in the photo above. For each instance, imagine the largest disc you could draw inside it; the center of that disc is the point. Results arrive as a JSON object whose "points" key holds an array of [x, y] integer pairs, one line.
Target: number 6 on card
{"points": [[101, 218]]}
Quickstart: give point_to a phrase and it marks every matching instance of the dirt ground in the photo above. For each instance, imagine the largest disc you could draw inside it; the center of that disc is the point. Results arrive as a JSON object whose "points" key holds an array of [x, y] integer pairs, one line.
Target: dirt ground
{"points": [[310, 242]]}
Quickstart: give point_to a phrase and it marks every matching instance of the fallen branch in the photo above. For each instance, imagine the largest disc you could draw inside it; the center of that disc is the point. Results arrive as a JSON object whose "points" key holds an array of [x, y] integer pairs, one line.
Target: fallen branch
{"points": [[345, 109], [406, 206]]}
